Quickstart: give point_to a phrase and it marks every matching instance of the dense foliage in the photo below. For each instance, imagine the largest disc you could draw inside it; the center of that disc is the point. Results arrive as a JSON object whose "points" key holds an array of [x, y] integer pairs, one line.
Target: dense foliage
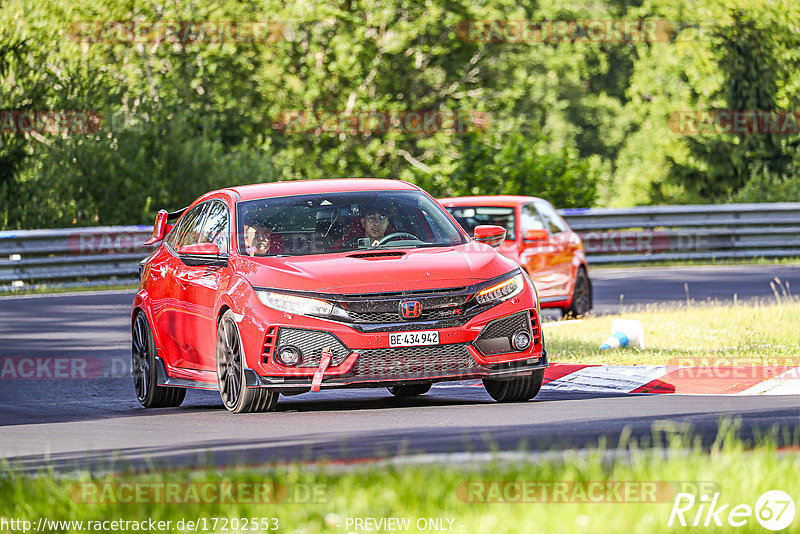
{"points": [[581, 122]]}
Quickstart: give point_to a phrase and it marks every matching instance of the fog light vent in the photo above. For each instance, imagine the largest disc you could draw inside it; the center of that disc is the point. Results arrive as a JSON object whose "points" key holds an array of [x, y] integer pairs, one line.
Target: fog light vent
{"points": [[289, 355]]}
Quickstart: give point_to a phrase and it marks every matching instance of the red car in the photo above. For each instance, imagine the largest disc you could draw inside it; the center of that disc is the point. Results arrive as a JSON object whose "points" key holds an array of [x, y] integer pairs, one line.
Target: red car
{"points": [[540, 240], [290, 287]]}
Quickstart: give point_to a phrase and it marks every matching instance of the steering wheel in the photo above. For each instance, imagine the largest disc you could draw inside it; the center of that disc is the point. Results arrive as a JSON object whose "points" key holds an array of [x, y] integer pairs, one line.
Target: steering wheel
{"points": [[396, 235]]}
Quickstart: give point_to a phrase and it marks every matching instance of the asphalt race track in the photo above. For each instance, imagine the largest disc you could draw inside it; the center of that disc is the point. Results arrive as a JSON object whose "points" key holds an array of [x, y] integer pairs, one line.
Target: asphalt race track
{"points": [[97, 422]]}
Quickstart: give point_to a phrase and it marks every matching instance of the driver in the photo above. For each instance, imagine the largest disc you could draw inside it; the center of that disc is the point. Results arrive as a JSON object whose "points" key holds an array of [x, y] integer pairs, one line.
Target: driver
{"points": [[372, 223], [375, 221]]}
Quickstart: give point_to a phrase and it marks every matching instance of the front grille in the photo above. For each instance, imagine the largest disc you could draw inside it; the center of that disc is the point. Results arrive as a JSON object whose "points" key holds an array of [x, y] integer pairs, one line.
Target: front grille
{"points": [[415, 362], [311, 343], [377, 309], [495, 338], [506, 326], [394, 317]]}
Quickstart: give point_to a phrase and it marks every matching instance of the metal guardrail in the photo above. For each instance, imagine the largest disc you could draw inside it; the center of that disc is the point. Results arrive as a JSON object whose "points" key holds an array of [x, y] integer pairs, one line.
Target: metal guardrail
{"points": [[109, 255], [657, 233], [97, 256]]}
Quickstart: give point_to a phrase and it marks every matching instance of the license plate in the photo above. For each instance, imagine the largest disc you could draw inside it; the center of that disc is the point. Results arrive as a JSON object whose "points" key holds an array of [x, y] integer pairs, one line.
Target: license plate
{"points": [[414, 339]]}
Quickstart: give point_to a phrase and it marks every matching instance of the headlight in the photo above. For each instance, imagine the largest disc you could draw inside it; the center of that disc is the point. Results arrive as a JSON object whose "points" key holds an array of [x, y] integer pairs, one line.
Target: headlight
{"points": [[300, 305], [501, 291]]}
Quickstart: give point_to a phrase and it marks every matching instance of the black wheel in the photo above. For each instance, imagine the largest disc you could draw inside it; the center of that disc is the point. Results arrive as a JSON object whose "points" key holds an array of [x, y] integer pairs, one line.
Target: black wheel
{"points": [[143, 367], [581, 296], [410, 391], [236, 396], [519, 389]]}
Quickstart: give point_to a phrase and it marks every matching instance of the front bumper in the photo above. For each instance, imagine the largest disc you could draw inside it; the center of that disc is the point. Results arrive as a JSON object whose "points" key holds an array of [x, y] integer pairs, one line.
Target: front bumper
{"points": [[365, 359], [498, 371]]}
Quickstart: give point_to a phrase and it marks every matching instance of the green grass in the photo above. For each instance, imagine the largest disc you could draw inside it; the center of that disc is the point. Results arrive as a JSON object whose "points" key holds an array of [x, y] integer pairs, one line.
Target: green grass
{"points": [[440, 491], [762, 332]]}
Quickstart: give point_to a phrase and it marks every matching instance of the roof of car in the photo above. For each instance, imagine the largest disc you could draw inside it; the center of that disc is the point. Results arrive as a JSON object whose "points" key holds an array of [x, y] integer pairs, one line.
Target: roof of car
{"points": [[489, 200], [327, 185]]}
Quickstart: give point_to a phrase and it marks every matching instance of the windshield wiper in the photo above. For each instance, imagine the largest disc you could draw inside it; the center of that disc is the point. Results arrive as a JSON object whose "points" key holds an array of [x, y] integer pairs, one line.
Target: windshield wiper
{"points": [[399, 244]]}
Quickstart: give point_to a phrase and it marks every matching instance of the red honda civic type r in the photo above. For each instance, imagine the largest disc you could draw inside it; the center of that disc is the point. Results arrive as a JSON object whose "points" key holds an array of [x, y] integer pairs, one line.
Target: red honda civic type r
{"points": [[290, 287]]}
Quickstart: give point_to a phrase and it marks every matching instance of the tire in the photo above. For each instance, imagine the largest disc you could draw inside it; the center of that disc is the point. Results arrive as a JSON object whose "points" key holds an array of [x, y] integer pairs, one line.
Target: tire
{"points": [[143, 366], [236, 396], [519, 389], [410, 391], [581, 296]]}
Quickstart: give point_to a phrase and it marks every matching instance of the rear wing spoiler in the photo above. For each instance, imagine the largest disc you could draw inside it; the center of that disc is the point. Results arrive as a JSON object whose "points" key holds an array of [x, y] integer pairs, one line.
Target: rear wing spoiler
{"points": [[164, 221]]}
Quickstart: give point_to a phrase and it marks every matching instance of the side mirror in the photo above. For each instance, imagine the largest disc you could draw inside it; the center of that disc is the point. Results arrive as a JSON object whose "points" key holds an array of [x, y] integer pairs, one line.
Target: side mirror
{"points": [[200, 249], [490, 235], [535, 234], [202, 254], [159, 228]]}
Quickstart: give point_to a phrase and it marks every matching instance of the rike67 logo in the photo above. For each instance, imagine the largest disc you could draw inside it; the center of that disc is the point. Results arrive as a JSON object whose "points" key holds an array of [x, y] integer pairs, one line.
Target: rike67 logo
{"points": [[774, 510]]}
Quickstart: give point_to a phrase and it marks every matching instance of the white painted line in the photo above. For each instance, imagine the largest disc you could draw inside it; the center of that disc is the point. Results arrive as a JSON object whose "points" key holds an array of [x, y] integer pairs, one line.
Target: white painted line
{"points": [[786, 383], [609, 378]]}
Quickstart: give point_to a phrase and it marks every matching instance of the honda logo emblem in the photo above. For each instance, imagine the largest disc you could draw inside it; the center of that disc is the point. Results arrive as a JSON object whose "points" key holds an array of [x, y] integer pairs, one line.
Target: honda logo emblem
{"points": [[410, 309]]}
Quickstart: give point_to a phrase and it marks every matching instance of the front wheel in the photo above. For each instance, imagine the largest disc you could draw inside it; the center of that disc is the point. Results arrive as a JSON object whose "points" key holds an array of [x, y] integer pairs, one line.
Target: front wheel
{"points": [[409, 391], [520, 389], [143, 366], [581, 296], [236, 396]]}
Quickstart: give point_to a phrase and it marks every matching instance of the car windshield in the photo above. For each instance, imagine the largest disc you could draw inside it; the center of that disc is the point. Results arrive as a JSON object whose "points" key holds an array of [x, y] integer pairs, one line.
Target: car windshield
{"points": [[339, 222], [471, 216]]}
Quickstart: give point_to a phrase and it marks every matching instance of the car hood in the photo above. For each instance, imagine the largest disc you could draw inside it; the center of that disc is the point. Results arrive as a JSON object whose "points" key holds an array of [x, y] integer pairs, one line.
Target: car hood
{"points": [[378, 271]]}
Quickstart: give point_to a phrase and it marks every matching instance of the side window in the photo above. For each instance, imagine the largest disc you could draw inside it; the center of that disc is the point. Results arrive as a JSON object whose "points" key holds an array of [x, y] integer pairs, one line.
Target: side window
{"points": [[554, 223], [531, 220], [215, 228], [190, 228], [179, 228]]}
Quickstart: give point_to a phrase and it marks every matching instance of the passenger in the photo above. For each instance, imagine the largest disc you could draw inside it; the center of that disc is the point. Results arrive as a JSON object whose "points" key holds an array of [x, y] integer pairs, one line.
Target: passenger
{"points": [[249, 236], [258, 240]]}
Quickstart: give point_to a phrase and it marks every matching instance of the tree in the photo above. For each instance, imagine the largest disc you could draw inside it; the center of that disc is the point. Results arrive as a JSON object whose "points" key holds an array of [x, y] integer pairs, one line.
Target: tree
{"points": [[726, 162]]}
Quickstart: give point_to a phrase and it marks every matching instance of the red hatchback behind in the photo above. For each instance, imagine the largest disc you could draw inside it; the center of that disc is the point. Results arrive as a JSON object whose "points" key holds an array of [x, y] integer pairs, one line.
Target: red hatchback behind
{"points": [[540, 240], [291, 287]]}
